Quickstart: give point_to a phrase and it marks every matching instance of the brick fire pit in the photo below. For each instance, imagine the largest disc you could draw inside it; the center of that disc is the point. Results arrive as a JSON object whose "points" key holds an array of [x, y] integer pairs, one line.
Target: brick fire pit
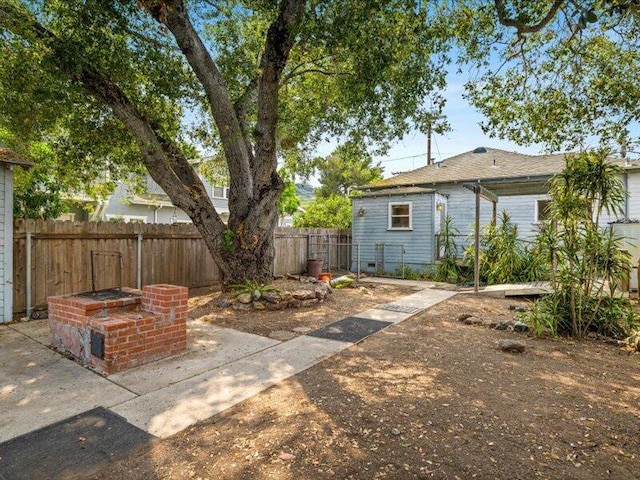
{"points": [[113, 330]]}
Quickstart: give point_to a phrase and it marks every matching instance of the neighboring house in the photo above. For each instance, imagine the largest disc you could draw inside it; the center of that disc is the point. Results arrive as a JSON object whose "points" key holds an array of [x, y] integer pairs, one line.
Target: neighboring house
{"points": [[153, 206], [395, 221], [8, 161]]}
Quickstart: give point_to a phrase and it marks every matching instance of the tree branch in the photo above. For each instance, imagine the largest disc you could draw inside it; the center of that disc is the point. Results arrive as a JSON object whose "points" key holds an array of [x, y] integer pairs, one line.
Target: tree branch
{"points": [[280, 40], [163, 159], [299, 73], [173, 13], [523, 28]]}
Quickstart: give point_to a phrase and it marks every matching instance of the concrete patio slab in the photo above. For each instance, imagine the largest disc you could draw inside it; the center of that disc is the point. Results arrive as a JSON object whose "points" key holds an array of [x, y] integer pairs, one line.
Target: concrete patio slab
{"points": [[174, 408], [399, 282], [37, 330], [425, 298], [209, 347], [39, 387], [384, 315]]}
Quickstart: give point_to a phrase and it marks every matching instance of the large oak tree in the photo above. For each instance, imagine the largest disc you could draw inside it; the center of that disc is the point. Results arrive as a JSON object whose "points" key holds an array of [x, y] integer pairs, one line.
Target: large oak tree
{"points": [[149, 82]]}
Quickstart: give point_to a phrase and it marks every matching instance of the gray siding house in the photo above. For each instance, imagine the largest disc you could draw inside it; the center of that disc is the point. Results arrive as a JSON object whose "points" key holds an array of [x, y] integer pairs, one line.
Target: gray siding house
{"points": [[395, 221], [153, 206], [8, 161]]}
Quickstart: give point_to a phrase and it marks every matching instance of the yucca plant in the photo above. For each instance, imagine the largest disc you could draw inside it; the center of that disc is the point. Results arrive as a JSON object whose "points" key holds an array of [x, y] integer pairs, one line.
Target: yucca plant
{"points": [[587, 261], [448, 269]]}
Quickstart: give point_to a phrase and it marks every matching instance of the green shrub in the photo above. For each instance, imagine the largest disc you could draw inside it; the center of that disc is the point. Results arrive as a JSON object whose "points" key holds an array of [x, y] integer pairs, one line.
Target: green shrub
{"points": [[587, 260], [506, 259]]}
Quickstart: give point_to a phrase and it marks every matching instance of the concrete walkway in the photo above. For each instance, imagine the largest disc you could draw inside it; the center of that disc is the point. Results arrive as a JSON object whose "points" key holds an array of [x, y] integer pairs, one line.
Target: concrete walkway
{"points": [[221, 368]]}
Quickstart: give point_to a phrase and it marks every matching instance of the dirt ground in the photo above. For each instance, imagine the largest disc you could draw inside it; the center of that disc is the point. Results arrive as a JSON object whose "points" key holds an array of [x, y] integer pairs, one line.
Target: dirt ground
{"points": [[203, 305], [428, 398]]}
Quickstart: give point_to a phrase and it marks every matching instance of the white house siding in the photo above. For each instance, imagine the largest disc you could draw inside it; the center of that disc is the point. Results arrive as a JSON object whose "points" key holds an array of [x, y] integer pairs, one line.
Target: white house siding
{"points": [[633, 188], [6, 243], [372, 228]]}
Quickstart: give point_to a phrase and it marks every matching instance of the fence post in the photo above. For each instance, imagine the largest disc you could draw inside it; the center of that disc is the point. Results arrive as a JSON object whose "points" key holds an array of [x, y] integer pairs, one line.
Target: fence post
{"points": [[139, 262], [28, 276]]}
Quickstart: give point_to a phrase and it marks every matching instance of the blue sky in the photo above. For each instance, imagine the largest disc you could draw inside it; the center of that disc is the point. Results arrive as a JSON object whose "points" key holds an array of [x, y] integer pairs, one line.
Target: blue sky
{"points": [[465, 135]]}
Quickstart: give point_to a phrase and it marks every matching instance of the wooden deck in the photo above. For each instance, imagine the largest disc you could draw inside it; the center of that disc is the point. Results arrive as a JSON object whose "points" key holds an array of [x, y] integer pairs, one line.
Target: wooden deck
{"points": [[529, 289]]}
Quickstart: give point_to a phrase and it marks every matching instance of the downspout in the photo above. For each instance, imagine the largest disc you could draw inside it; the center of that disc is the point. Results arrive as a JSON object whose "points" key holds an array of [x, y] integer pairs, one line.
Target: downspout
{"points": [[155, 213]]}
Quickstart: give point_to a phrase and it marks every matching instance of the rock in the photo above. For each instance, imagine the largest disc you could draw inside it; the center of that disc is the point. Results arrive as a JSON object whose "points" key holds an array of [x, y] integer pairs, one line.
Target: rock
{"points": [[293, 303], [301, 329], [282, 335], [504, 326], [511, 346], [258, 306], [395, 431], [284, 296], [303, 294], [242, 306], [256, 294], [321, 290], [308, 279], [518, 308], [286, 456], [463, 316], [473, 321], [271, 297], [39, 315], [244, 298], [290, 276], [520, 326], [225, 302]]}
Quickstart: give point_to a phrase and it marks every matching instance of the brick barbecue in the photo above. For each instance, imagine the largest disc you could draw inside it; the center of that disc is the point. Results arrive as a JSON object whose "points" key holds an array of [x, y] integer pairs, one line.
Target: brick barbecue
{"points": [[113, 330]]}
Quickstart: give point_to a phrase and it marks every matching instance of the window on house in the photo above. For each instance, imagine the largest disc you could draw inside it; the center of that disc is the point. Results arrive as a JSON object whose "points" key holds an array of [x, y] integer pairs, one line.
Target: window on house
{"points": [[400, 216], [542, 210], [126, 218], [220, 192]]}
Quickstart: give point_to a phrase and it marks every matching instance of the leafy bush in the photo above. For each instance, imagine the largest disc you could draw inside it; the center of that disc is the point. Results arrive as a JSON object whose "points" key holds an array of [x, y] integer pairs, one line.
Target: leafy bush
{"points": [[506, 259]]}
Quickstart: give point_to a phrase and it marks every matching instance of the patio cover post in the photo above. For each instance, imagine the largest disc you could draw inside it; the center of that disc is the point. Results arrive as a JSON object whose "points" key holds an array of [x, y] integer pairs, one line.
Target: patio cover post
{"points": [[476, 263]]}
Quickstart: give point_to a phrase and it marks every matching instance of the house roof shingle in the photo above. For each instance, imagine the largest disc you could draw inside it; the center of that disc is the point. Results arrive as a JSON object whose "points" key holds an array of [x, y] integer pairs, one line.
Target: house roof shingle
{"points": [[395, 191], [8, 156], [489, 164]]}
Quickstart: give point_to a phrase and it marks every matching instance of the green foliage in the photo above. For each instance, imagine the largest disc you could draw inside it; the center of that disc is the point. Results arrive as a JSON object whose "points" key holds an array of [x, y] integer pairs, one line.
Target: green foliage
{"points": [[570, 80], [587, 259], [348, 166], [252, 287], [332, 212], [288, 202], [504, 258], [448, 269], [37, 193], [228, 238]]}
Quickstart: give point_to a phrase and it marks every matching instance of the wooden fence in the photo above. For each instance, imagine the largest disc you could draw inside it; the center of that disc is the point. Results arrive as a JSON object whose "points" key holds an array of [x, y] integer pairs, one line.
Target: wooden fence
{"points": [[125, 254]]}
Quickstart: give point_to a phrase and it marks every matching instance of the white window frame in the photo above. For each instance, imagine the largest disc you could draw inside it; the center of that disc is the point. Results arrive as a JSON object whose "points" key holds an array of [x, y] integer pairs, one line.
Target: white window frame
{"points": [[536, 209], [126, 218], [390, 216]]}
